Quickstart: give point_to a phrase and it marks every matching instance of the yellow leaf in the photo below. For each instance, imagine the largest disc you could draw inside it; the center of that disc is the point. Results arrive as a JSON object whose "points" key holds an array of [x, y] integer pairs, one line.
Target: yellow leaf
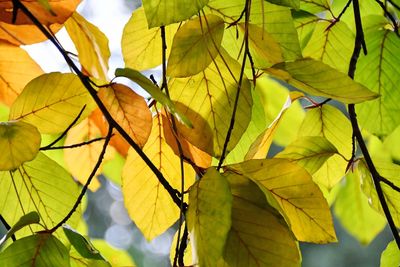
{"points": [[129, 109], [209, 217], [141, 46], [148, 203], [19, 142], [16, 69], [207, 100], [259, 235], [52, 102], [195, 45], [298, 196], [91, 44]]}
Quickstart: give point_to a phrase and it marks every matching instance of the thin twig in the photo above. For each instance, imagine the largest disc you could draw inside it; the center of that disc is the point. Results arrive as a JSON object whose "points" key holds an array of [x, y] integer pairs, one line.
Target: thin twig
{"points": [[89, 180], [389, 183], [394, 4], [65, 132], [183, 247], [74, 145], [359, 41], [7, 226], [390, 16]]}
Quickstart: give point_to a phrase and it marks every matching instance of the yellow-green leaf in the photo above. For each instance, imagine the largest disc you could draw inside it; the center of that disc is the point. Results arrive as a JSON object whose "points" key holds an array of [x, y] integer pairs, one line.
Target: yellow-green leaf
{"points": [[40, 185], [319, 79], [141, 46], [329, 122], [310, 152], [209, 217], [26, 220], [315, 6], [195, 45], [289, 3], [298, 196], [391, 255], [148, 203], [19, 142], [91, 44], [259, 236], [164, 12], [354, 212], [39, 250], [207, 99], [52, 102]]}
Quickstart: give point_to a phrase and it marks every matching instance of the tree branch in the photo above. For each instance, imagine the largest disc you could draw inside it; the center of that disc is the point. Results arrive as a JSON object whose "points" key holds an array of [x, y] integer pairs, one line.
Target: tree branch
{"points": [[74, 145]]}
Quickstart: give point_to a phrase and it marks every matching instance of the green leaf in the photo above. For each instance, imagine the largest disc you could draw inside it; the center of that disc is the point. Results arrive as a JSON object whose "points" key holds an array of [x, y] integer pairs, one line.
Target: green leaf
{"points": [[81, 244], [289, 3], [209, 216], [19, 142], [259, 235], [39, 250], [195, 45], [310, 152], [52, 102], [327, 121], [154, 91], [378, 70], [42, 186], [354, 212], [27, 219], [164, 12], [390, 256], [315, 6], [317, 78], [207, 99], [298, 196]]}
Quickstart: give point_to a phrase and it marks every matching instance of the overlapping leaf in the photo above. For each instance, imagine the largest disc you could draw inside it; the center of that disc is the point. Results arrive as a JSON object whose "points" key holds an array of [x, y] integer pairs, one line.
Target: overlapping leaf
{"points": [[207, 100], [91, 44], [148, 203], [317, 78], [315, 6], [289, 3], [42, 186], [129, 110], [298, 196], [195, 45], [19, 142], [209, 216], [16, 69], [141, 46], [164, 12], [377, 70], [52, 102], [391, 255]]}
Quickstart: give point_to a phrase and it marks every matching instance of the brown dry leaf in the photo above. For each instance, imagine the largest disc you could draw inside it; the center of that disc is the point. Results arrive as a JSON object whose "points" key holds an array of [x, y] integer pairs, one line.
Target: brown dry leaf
{"points": [[16, 69]]}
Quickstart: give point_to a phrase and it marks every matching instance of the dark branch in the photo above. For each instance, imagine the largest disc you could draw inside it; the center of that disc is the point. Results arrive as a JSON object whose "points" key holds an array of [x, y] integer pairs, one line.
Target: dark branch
{"points": [[394, 4], [74, 145], [7, 226], [389, 183], [390, 16]]}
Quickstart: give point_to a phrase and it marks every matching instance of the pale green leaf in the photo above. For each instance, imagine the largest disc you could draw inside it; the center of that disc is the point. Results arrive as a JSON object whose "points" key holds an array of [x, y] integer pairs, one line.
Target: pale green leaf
{"points": [[315, 6], [317, 78], [289, 3], [207, 99], [305, 24], [379, 71], [354, 212], [19, 142], [298, 196], [39, 250], [141, 46], [154, 91], [91, 44], [52, 102], [390, 256], [310, 152], [164, 12], [195, 45], [209, 216], [27, 219]]}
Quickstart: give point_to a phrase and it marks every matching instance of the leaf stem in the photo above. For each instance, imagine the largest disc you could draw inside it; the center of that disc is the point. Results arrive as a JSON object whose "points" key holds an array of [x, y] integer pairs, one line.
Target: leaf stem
{"points": [[7, 226], [74, 145]]}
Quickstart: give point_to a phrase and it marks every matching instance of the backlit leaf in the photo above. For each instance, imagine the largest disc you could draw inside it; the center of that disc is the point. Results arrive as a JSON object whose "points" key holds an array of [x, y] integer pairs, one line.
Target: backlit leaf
{"points": [[16, 69], [40, 185], [378, 70], [129, 110], [310, 152], [19, 142], [91, 44], [209, 217], [259, 235], [148, 203], [195, 45], [81, 244], [289, 3], [29, 218], [141, 46], [298, 196], [315, 6], [207, 100], [51, 102], [164, 12], [390, 256]]}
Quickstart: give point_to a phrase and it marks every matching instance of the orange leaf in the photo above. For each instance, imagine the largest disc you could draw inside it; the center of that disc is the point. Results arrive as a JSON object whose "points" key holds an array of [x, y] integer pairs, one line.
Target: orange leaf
{"points": [[129, 109]]}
